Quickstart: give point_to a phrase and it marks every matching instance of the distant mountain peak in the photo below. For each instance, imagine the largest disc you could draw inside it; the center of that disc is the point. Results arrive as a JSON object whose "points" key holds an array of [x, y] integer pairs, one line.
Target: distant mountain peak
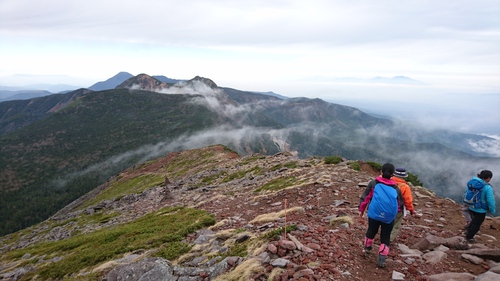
{"points": [[157, 83], [112, 82], [205, 81], [146, 82], [143, 82]]}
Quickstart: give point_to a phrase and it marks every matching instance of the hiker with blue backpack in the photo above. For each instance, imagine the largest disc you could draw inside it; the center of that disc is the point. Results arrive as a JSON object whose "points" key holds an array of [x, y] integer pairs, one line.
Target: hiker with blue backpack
{"points": [[479, 196], [382, 204]]}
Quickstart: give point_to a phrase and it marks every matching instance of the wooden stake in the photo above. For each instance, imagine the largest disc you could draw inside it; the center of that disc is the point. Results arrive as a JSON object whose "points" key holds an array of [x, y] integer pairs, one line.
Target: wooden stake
{"points": [[285, 219]]}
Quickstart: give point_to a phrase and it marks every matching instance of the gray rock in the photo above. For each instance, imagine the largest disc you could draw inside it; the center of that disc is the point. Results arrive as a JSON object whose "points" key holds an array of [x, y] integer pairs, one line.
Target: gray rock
{"points": [[17, 273], [264, 257], [434, 256], [302, 227], [204, 237], [242, 238], [472, 259], [148, 269], [432, 241], [442, 248], [452, 276], [197, 261], [488, 276], [407, 251], [398, 276], [187, 278], [344, 226], [485, 253], [279, 262], [495, 269], [188, 271], [218, 269]]}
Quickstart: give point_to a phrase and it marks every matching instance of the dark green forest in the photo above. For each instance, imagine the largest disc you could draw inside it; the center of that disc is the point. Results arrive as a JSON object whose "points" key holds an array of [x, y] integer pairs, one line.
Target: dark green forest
{"points": [[41, 163]]}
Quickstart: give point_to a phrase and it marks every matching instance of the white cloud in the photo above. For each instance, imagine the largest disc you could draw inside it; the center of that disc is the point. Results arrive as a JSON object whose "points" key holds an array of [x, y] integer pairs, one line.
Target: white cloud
{"points": [[489, 146], [281, 46]]}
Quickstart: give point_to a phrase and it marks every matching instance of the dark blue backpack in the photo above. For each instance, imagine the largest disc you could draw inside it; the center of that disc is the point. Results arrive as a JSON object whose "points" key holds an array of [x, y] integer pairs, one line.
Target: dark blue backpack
{"points": [[384, 204], [473, 193]]}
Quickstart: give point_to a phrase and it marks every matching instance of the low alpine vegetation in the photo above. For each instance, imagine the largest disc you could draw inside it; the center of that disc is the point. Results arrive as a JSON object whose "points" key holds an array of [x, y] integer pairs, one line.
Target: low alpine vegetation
{"points": [[355, 166], [333, 159], [278, 184], [87, 250], [122, 187]]}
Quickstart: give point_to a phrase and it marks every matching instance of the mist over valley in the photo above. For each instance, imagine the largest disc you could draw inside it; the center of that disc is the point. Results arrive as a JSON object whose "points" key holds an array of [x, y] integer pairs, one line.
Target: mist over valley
{"points": [[57, 147]]}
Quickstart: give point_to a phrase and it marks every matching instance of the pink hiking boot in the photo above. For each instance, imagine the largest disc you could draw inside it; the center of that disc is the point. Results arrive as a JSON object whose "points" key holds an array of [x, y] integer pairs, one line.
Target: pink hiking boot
{"points": [[383, 251]]}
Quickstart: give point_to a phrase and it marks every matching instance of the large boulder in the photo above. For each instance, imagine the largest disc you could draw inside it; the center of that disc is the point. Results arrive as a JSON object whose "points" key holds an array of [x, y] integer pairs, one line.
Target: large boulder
{"points": [[431, 241], [148, 269], [452, 276]]}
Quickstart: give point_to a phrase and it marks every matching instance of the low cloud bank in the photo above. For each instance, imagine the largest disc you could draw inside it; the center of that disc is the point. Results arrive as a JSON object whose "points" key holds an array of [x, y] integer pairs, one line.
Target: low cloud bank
{"points": [[489, 146], [445, 174], [222, 135]]}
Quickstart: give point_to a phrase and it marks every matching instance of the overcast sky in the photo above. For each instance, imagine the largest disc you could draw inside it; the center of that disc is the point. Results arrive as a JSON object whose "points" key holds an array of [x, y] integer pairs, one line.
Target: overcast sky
{"points": [[294, 48]]}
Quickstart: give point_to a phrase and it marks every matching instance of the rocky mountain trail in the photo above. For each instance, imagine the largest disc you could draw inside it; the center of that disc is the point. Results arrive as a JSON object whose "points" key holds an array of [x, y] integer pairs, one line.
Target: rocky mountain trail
{"points": [[320, 207]]}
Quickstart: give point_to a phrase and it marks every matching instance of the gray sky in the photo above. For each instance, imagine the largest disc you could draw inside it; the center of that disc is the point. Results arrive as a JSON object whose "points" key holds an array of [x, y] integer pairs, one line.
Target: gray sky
{"points": [[294, 48]]}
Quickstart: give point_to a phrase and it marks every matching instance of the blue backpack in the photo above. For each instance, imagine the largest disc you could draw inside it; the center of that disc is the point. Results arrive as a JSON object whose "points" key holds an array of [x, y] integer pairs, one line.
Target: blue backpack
{"points": [[384, 204], [473, 193]]}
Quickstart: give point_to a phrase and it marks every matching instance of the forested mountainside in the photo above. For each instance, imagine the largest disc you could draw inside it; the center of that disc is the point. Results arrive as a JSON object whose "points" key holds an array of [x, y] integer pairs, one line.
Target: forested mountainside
{"points": [[58, 147], [210, 214]]}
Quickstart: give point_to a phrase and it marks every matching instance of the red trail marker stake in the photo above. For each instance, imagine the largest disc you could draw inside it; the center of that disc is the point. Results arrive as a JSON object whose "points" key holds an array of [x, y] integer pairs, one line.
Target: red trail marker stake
{"points": [[285, 219]]}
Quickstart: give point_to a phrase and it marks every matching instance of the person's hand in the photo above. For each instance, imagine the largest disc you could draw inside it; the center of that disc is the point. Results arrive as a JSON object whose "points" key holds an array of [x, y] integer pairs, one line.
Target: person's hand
{"points": [[416, 215], [361, 214]]}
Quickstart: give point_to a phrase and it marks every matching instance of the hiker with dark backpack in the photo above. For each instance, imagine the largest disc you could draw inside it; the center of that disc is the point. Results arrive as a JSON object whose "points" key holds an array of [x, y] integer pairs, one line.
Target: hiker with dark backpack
{"points": [[382, 204], [479, 196]]}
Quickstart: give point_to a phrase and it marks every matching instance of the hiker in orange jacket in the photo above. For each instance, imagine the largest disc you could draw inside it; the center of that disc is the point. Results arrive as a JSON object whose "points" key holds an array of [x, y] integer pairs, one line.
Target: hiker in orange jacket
{"points": [[399, 175]]}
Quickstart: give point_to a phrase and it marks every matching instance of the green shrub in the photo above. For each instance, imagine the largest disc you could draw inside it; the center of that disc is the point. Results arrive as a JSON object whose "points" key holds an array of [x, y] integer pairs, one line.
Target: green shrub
{"points": [[277, 184], [376, 166], [414, 180], [252, 158], [238, 250], [172, 250], [210, 179], [273, 234], [291, 165], [355, 166], [276, 167], [333, 159]]}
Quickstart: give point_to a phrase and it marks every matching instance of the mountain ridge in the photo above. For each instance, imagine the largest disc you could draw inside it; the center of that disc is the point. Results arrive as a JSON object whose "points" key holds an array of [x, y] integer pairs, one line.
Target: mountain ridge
{"points": [[58, 147], [250, 200]]}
